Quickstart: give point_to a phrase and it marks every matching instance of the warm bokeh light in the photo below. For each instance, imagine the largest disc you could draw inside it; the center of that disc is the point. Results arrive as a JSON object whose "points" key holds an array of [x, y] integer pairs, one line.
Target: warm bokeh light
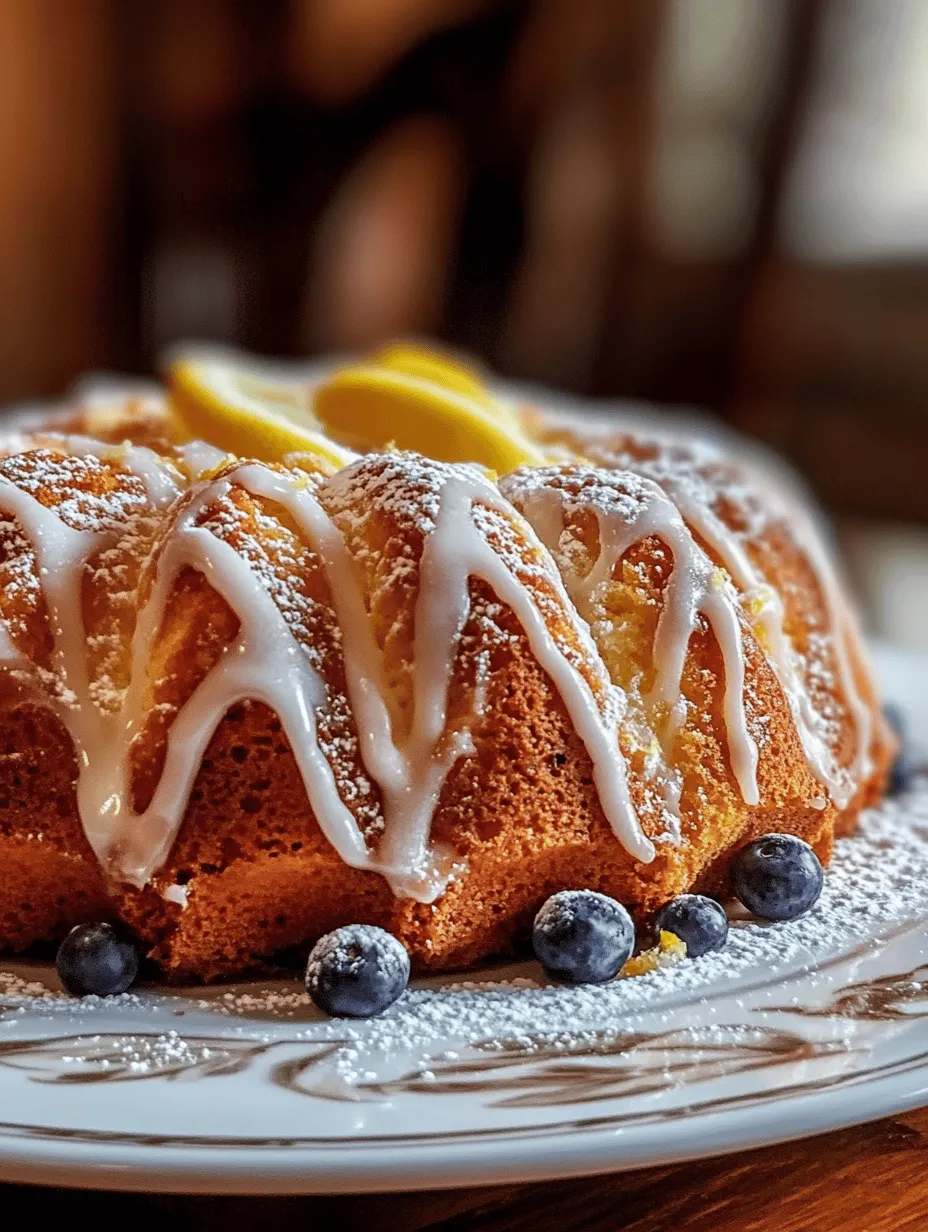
{"points": [[713, 202]]}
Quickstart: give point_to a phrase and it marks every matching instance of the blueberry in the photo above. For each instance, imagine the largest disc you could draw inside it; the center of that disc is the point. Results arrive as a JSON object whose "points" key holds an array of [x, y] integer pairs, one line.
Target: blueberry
{"points": [[900, 774], [699, 921], [895, 718], [94, 960], [356, 971], [582, 937], [778, 876]]}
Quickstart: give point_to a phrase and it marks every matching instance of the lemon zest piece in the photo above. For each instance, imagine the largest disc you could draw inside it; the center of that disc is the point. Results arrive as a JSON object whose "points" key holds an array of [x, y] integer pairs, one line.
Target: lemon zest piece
{"points": [[668, 952]]}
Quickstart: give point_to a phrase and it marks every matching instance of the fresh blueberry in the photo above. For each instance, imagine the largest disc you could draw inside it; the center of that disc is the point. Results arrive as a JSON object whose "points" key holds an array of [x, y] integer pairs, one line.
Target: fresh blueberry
{"points": [[777, 876], [93, 960], [900, 774], [356, 971], [895, 718], [582, 937], [699, 921]]}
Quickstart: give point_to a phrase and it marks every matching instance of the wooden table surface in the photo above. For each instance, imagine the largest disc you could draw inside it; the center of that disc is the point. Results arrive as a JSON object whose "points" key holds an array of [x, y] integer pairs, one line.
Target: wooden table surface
{"points": [[870, 1179]]}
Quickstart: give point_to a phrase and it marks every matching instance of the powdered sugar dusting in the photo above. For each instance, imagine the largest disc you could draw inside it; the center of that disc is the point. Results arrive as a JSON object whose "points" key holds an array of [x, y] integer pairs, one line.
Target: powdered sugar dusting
{"points": [[286, 568], [87, 494], [751, 518], [630, 510], [345, 949], [877, 880]]}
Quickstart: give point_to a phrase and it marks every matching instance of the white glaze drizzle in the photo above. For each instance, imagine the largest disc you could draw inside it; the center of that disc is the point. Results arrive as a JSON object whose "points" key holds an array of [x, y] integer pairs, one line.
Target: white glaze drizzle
{"points": [[455, 552], [629, 509], [691, 478], [841, 782], [62, 554], [411, 774], [266, 663], [198, 457], [156, 473]]}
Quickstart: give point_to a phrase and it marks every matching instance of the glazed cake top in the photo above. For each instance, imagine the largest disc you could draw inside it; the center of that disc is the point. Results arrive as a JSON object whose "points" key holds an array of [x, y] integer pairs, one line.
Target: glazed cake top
{"points": [[101, 515]]}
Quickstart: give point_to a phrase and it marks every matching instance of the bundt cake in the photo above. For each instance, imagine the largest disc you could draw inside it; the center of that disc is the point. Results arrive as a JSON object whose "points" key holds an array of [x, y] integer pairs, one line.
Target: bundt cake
{"points": [[245, 702]]}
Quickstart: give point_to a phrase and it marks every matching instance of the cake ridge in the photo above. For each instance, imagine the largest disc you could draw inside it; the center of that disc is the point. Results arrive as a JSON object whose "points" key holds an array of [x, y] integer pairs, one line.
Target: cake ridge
{"points": [[699, 477], [628, 509], [133, 846]]}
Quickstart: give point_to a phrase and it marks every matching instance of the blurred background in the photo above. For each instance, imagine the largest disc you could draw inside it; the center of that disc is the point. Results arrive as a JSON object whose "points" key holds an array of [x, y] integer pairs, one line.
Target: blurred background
{"points": [[712, 202]]}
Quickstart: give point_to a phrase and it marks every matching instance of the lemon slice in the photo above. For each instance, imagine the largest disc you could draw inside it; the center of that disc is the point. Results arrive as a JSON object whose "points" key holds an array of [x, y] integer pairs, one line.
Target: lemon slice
{"points": [[249, 412], [432, 366], [370, 406]]}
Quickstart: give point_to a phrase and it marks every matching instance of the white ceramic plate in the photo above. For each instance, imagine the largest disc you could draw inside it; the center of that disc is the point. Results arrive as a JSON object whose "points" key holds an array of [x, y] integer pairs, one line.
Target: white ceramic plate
{"points": [[799, 1028]]}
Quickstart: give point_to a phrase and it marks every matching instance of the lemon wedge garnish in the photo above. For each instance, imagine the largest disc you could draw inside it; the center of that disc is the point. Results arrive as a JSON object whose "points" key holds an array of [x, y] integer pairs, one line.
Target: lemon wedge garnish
{"points": [[405, 397], [369, 405], [249, 412]]}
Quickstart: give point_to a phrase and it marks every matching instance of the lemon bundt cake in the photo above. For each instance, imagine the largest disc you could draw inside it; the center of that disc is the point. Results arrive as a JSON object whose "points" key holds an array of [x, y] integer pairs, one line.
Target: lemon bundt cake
{"points": [[247, 699]]}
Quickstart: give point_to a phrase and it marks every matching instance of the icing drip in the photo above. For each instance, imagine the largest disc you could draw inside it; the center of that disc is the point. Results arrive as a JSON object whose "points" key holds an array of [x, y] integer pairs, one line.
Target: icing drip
{"points": [[457, 551], [769, 620], [197, 457], [153, 470], [696, 477], [629, 509], [691, 492], [411, 774], [266, 663], [62, 554]]}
